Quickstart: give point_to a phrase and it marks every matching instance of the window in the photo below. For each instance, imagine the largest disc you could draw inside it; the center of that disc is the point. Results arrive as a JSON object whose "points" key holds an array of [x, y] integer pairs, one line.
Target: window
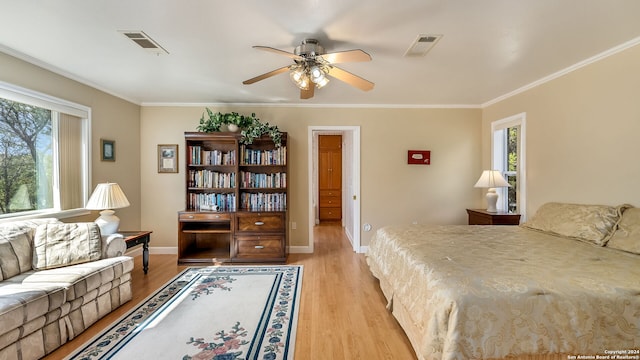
{"points": [[44, 151], [508, 156]]}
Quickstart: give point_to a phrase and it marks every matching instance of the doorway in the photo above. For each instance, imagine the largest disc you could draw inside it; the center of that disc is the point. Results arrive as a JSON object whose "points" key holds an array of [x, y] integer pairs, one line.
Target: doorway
{"points": [[329, 178], [350, 181]]}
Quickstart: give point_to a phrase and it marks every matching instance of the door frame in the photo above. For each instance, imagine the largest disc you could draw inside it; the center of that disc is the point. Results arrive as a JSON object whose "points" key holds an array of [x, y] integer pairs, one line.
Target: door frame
{"points": [[354, 231]]}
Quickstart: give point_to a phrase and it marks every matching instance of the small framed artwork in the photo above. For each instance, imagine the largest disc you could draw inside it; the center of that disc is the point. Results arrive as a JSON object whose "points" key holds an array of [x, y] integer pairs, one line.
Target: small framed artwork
{"points": [[419, 157], [107, 150], [168, 158]]}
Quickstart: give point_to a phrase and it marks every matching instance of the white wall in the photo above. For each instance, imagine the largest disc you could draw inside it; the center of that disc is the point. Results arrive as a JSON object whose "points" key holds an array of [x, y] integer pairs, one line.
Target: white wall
{"points": [[111, 118], [392, 192], [582, 134]]}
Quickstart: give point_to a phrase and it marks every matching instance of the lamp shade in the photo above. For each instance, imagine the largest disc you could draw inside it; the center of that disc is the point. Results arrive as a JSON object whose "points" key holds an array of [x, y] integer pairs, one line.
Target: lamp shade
{"points": [[107, 196], [491, 179]]}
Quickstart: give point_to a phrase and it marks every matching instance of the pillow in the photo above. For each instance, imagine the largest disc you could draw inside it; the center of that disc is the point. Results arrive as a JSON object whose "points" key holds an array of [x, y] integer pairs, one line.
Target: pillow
{"points": [[627, 236], [590, 223], [56, 245]]}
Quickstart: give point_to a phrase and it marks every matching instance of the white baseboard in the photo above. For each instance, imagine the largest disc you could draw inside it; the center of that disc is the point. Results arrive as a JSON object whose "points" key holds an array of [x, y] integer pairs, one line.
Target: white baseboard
{"points": [[134, 252], [137, 251], [300, 250], [170, 250], [363, 249]]}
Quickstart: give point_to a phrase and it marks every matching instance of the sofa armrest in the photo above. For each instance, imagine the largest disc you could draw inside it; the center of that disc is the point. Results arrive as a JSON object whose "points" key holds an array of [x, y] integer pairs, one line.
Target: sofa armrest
{"points": [[113, 245]]}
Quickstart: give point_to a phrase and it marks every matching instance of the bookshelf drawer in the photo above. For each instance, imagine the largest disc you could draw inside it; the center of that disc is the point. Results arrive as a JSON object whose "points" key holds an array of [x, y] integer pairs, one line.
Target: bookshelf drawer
{"points": [[260, 222], [259, 246], [204, 217]]}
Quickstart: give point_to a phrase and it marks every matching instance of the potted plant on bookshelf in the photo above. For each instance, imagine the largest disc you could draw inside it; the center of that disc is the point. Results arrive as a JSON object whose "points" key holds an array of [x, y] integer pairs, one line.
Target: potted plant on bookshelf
{"points": [[257, 129], [251, 126], [213, 122]]}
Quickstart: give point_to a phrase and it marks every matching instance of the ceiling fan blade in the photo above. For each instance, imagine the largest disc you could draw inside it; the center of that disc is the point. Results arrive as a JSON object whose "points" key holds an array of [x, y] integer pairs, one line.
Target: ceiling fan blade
{"points": [[356, 55], [278, 51], [307, 94], [266, 75], [349, 78]]}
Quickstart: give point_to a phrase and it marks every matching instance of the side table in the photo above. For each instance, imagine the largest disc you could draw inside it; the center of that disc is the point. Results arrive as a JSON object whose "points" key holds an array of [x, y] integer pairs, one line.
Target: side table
{"points": [[483, 217], [134, 238]]}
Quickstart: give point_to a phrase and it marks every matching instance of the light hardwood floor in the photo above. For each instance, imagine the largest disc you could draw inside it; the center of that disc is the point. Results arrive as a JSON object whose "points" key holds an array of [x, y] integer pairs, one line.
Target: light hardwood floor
{"points": [[342, 310]]}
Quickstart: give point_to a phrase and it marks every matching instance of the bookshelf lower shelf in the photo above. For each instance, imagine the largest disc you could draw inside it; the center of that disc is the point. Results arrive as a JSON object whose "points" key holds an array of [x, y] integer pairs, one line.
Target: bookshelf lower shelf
{"points": [[204, 256], [206, 231]]}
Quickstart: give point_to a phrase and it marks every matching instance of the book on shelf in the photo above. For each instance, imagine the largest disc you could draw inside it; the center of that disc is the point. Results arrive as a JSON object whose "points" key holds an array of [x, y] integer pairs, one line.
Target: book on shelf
{"points": [[277, 156], [198, 156], [254, 180], [210, 201], [263, 201], [211, 179]]}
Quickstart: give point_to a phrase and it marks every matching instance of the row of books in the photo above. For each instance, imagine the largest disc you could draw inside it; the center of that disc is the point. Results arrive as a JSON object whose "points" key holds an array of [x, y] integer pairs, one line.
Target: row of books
{"points": [[198, 156], [212, 202], [253, 180], [263, 201], [277, 156], [211, 179]]}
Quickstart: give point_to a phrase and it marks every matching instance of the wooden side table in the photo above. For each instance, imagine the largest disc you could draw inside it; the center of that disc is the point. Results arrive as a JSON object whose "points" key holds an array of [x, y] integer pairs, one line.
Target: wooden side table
{"points": [[483, 217], [134, 238]]}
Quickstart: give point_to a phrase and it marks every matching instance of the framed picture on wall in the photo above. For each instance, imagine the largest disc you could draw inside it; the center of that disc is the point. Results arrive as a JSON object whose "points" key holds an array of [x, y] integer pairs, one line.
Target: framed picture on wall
{"points": [[168, 158], [107, 150]]}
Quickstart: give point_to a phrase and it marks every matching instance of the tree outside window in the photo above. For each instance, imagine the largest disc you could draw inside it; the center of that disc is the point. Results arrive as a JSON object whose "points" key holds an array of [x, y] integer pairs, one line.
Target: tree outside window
{"points": [[26, 157]]}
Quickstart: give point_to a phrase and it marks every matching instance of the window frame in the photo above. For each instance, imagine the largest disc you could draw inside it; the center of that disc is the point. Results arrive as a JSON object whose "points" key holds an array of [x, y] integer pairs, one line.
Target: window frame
{"points": [[498, 150], [56, 105]]}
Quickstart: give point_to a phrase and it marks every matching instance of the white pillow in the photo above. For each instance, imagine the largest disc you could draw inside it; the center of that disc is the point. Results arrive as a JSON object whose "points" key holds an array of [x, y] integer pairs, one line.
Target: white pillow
{"points": [[627, 236], [57, 245], [590, 223]]}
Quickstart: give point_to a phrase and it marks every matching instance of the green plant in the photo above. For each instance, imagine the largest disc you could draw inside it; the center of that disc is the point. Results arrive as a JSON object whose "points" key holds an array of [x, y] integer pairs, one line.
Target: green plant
{"points": [[214, 121], [257, 129], [251, 126]]}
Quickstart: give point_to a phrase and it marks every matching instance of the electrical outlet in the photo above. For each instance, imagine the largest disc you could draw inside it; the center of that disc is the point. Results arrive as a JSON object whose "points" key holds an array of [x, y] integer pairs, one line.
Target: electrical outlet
{"points": [[415, 222], [294, 225]]}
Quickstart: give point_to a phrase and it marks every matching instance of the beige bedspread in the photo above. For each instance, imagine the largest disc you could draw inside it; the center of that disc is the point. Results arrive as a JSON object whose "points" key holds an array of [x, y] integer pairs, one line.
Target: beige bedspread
{"points": [[495, 291]]}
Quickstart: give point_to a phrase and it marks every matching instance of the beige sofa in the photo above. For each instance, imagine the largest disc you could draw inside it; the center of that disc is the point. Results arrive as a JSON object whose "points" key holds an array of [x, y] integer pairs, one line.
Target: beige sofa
{"points": [[56, 279]]}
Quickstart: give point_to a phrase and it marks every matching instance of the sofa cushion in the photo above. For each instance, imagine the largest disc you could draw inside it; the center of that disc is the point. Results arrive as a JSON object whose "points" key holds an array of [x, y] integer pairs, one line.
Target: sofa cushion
{"points": [[80, 279], [61, 244], [16, 239], [21, 303], [15, 254]]}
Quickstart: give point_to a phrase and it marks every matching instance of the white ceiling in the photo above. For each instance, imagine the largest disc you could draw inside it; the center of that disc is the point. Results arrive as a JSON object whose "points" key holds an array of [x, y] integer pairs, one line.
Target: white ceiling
{"points": [[489, 48]]}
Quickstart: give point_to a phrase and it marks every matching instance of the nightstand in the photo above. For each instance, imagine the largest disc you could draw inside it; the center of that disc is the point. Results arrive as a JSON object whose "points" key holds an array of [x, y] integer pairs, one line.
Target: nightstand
{"points": [[483, 217]]}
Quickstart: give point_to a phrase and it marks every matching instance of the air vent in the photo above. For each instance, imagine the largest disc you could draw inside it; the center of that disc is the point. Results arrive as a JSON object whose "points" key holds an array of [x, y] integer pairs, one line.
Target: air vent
{"points": [[144, 41], [422, 44]]}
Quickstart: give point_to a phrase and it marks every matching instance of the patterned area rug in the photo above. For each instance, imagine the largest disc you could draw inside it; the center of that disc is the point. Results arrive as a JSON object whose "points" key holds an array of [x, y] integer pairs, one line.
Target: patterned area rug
{"points": [[221, 313]]}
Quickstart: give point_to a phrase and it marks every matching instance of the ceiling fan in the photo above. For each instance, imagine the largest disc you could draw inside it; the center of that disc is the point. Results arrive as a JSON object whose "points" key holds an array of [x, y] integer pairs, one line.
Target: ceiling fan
{"points": [[312, 65]]}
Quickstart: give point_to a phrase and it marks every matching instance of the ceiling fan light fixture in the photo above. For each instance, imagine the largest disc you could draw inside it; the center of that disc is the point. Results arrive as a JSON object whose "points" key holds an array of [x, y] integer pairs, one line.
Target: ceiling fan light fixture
{"points": [[313, 66], [318, 76], [300, 77], [316, 73], [321, 83]]}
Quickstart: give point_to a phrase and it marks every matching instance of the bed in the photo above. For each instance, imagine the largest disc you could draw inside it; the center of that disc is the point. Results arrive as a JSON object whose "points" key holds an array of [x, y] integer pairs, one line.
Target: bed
{"points": [[567, 283]]}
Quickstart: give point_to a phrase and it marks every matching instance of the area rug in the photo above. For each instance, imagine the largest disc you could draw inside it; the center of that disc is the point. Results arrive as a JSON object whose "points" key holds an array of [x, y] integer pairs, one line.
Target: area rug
{"points": [[221, 313]]}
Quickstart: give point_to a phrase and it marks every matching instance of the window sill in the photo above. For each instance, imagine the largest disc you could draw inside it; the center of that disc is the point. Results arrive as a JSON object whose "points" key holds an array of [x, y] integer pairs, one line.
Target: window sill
{"points": [[46, 214]]}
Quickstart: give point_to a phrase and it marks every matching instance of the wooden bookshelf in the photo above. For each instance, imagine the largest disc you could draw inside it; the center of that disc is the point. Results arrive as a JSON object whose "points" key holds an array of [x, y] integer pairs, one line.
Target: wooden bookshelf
{"points": [[236, 204]]}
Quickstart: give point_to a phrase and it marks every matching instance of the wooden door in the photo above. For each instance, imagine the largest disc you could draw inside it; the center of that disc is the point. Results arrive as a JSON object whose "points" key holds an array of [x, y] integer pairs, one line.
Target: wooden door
{"points": [[330, 176]]}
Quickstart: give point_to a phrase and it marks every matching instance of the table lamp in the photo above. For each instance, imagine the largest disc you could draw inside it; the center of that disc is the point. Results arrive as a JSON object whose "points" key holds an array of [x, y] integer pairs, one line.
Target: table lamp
{"points": [[105, 197], [491, 179]]}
